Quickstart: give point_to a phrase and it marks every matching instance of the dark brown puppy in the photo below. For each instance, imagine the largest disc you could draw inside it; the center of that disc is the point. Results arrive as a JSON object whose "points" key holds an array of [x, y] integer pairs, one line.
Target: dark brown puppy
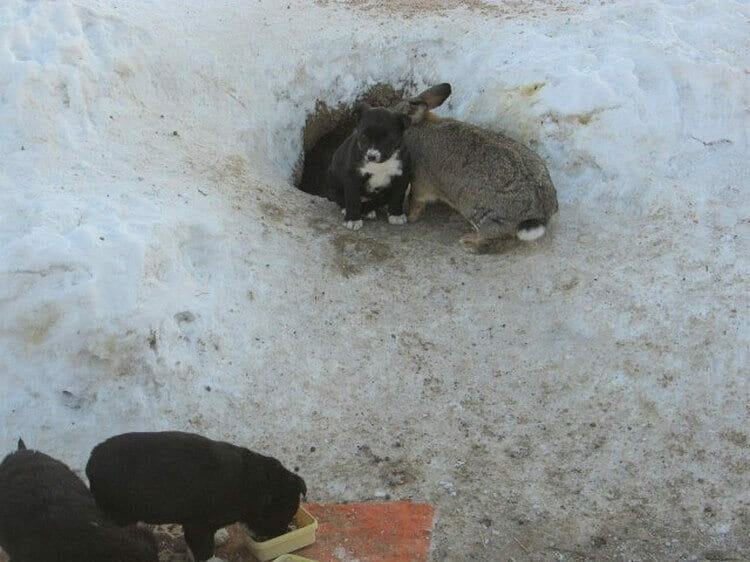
{"points": [[204, 485], [48, 515]]}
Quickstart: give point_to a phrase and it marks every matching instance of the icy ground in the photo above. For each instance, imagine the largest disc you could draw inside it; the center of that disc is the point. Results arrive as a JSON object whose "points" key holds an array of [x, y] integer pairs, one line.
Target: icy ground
{"points": [[581, 398]]}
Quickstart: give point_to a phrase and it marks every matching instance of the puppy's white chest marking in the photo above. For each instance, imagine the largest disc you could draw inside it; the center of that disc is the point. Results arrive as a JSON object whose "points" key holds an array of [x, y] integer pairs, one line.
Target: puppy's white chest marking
{"points": [[381, 172]]}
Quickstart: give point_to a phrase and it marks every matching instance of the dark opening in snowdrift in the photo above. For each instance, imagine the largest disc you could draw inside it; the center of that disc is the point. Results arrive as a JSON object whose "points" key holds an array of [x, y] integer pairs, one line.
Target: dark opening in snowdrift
{"points": [[326, 128]]}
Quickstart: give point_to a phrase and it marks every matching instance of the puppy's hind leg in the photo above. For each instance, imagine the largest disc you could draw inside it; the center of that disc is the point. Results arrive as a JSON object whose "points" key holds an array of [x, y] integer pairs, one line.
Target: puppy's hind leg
{"points": [[221, 537], [190, 558], [200, 542], [369, 209], [395, 202]]}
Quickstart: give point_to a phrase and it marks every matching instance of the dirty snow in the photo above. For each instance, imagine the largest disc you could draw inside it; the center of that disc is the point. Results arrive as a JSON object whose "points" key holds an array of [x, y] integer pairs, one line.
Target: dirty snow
{"points": [[582, 397]]}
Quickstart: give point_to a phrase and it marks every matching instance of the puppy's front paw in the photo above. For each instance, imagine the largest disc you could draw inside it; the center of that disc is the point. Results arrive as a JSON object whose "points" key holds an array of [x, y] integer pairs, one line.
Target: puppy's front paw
{"points": [[397, 219], [221, 537], [371, 215], [353, 225]]}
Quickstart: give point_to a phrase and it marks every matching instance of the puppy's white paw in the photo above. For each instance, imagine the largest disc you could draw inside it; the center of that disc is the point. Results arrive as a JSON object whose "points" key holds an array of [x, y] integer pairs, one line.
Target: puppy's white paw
{"points": [[353, 225], [397, 219], [371, 215], [343, 211], [221, 537]]}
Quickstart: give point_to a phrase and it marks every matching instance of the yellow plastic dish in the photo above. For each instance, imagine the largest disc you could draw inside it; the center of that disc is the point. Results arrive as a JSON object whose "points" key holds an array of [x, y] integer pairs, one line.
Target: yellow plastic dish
{"points": [[302, 536]]}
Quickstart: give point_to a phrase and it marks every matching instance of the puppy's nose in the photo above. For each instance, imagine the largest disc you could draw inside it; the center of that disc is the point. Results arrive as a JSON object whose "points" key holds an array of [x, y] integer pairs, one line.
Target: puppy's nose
{"points": [[372, 157]]}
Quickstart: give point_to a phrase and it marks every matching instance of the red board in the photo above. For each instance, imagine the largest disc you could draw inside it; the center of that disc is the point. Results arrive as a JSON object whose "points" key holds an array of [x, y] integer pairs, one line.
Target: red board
{"points": [[371, 532], [366, 532]]}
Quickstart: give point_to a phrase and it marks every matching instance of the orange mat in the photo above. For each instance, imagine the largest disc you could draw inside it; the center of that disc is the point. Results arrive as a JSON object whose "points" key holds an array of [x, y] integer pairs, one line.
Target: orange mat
{"points": [[371, 532], [367, 532]]}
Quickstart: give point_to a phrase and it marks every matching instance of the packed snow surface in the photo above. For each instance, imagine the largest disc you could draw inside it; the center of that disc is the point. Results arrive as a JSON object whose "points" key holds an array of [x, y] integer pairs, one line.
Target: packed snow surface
{"points": [[581, 397]]}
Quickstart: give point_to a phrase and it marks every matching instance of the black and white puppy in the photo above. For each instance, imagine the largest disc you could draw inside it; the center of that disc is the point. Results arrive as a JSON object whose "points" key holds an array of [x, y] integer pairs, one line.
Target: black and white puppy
{"points": [[48, 515], [371, 168], [204, 485]]}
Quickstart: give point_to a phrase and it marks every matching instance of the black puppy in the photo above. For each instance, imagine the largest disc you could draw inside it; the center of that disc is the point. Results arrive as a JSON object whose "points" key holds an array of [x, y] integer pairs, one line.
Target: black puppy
{"points": [[372, 168], [204, 485], [48, 515]]}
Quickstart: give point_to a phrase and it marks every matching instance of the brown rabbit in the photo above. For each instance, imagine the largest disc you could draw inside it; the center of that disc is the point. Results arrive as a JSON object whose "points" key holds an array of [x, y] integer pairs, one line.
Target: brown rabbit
{"points": [[500, 186]]}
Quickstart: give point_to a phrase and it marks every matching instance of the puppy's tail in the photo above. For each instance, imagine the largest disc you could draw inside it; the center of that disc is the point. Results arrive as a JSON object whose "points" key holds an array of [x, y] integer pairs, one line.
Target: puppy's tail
{"points": [[531, 230], [21, 445]]}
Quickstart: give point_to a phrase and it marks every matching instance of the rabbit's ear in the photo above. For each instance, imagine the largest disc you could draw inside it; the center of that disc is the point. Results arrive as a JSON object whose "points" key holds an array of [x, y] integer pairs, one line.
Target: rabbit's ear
{"points": [[415, 109], [435, 96]]}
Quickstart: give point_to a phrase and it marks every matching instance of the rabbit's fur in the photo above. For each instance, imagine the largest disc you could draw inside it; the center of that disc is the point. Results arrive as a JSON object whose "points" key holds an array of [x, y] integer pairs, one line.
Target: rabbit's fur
{"points": [[499, 185]]}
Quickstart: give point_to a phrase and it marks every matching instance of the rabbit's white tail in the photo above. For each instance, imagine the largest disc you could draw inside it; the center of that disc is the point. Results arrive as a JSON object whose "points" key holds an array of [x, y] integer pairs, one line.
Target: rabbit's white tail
{"points": [[531, 230]]}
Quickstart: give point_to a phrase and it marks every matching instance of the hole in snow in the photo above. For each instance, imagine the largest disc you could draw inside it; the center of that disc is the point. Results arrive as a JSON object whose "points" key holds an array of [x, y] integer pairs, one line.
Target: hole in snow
{"points": [[326, 128]]}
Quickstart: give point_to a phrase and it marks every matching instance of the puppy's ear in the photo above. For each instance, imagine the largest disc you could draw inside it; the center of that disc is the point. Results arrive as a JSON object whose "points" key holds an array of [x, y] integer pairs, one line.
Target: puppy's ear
{"points": [[359, 110], [301, 486], [264, 500], [260, 480], [21, 445]]}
